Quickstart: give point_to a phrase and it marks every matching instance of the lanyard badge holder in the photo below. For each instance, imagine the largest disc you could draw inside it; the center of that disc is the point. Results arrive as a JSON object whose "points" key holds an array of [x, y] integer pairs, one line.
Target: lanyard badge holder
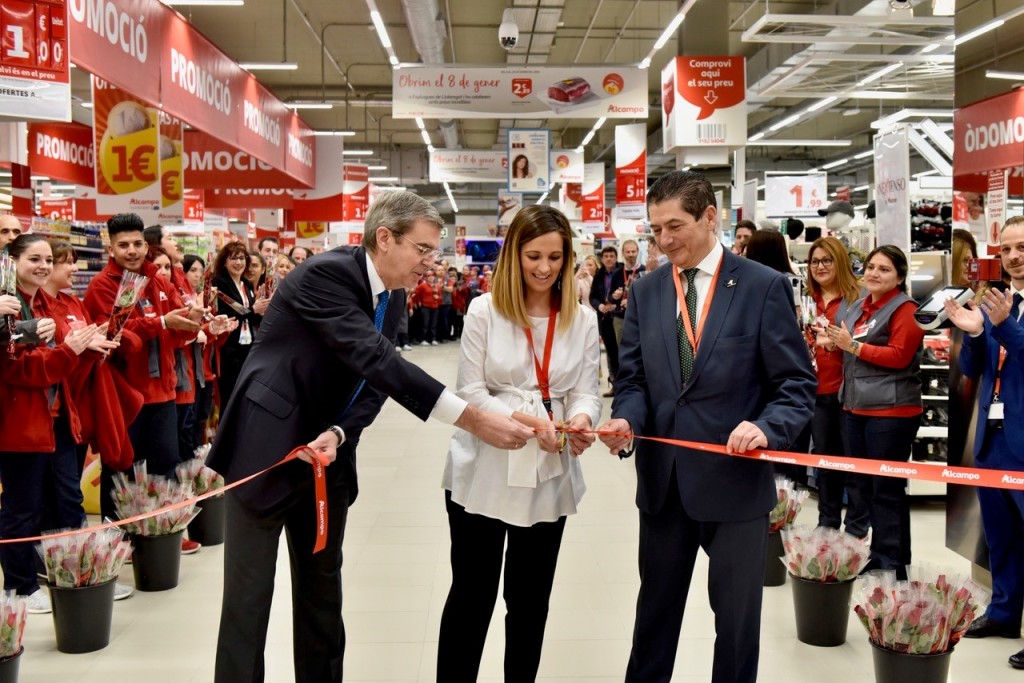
{"points": [[543, 383]]}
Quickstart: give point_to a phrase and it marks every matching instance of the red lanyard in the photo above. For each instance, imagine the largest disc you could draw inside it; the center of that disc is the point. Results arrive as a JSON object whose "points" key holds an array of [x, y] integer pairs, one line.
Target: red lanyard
{"points": [[999, 372], [542, 370], [684, 311]]}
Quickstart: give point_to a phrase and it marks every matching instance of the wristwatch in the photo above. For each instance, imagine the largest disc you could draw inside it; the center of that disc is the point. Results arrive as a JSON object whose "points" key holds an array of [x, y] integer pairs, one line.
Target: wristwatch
{"points": [[338, 432], [854, 345]]}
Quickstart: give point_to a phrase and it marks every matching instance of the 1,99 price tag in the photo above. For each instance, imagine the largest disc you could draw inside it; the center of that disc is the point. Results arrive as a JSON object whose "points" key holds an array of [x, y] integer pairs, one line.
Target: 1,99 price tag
{"points": [[793, 196]]}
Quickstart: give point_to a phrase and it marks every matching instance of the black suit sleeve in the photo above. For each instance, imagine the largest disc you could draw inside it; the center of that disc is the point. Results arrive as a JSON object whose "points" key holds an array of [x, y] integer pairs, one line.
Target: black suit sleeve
{"points": [[597, 293]]}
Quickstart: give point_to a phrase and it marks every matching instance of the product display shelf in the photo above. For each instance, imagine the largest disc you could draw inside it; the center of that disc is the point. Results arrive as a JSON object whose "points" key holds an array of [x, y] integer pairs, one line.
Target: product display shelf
{"points": [[89, 241], [930, 445]]}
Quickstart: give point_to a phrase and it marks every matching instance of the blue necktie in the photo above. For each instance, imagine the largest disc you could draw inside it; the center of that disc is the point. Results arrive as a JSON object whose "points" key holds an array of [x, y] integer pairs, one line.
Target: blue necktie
{"points": [[1015, 310], [378, 322]]}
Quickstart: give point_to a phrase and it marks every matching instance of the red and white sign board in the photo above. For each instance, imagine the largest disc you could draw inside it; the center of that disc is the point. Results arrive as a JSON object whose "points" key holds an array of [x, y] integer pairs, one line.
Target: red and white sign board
{"points": [[34, 79], [193, 209], [570, 198], [211, 163], [57, 209], [995, 206], [355, 193], [988, 135], [703, 102], [631, 164], [526, 91], [126, 135], [468, 166], [62, 151], [566, 166], [324, 201], [593, 197], [248, 198], [792, 196]]}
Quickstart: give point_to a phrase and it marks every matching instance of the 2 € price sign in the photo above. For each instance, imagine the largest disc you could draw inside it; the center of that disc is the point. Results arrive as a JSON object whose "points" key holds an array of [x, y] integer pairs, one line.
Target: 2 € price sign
{"points": [[792, 196]]}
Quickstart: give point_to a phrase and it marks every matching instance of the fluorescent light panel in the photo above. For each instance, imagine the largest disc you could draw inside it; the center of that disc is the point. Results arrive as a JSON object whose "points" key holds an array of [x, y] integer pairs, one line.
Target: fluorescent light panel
{"points": [[269, 66], [382, 31], [377, 168], [834, 164], [357, 152], [383, 179], [798, 143], [426, 137], [204, 3], [980, 31], [677, 20], [785, 122], [334, 133], [309, 105], [1005, 75]]}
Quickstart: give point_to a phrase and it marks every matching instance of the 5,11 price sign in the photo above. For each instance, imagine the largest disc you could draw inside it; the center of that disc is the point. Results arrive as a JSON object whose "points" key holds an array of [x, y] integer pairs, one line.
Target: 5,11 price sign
{"points": [[792, 196]]}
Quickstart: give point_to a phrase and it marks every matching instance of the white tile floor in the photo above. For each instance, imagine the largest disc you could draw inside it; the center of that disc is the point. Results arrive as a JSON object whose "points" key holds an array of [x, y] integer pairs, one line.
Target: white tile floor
{"points": [[396, 579]]}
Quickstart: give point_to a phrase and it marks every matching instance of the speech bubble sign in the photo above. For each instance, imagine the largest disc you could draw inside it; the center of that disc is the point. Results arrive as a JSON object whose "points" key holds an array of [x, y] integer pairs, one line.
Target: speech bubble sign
{"points": [[712, 83]]}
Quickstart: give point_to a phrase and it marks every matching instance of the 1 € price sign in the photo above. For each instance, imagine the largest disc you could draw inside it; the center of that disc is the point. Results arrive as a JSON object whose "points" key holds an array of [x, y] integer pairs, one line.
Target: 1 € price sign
{"points": [[795, 195]]}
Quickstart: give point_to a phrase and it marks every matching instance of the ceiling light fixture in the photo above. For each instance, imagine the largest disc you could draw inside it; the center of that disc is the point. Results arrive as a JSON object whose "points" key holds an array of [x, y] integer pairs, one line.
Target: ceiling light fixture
{"points": [[87, 105], [382, 167], [860, 188], [799, 143], [334, 133], [308, 105], [833, 164], [822, 103], [980, 31], [930, 48], [542, 198], [1005, 75], [204, 3], [383, 179], [864, 155], [269, 66], [419, 123], [357, 152], [451, 199], [755, 137], [672, 27], [382, 32], [785, 122], [884, 71], [426, 138]]}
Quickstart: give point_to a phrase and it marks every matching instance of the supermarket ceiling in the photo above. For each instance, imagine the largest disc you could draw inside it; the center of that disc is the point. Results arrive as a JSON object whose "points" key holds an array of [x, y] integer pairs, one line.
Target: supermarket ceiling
{"points": [[863, 60]]}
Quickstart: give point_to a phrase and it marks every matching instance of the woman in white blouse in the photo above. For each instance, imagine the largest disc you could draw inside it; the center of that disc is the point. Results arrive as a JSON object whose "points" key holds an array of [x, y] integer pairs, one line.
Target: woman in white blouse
{"points": [[523, 496]]}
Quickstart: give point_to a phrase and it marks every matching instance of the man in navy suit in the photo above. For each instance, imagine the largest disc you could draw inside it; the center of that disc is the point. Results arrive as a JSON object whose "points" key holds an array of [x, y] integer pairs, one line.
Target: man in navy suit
{"points": [[709, 353], [994, 350]]}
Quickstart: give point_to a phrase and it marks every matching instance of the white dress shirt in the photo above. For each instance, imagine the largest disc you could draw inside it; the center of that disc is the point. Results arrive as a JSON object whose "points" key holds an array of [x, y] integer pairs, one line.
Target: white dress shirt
{"points": [[706, 270], [449, 407], [497, 373]]}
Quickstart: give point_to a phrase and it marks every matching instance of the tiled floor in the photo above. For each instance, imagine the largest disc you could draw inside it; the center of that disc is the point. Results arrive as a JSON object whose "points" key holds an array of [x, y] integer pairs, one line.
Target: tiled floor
{"points": [[396, 578]]}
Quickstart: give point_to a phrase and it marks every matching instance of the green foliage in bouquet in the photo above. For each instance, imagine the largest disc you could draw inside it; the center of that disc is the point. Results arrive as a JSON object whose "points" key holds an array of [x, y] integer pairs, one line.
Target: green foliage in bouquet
{"points": [[824, 554]]}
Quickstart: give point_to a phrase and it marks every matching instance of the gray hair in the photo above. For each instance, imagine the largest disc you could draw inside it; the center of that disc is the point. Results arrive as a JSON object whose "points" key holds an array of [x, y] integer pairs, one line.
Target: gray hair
{"points": [[397, 211]]}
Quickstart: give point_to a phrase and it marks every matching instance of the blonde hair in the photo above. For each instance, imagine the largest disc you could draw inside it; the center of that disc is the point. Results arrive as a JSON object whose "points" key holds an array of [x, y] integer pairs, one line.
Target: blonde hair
{"points": [[590, 258], [846, 281], [507, 282]]}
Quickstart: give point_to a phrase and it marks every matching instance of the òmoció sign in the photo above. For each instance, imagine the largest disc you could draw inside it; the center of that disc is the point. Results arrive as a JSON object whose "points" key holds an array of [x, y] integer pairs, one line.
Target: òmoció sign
{"points": [[989, 135]]}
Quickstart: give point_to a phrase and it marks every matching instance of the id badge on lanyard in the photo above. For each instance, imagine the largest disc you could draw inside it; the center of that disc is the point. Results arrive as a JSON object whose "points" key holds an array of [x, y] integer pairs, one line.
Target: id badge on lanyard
{"points": [[245, 335], [147, 308], [995, 411]]}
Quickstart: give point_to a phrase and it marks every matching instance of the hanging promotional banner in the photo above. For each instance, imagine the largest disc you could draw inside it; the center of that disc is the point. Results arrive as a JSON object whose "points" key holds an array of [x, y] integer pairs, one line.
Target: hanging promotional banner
{"points": [[631, 165], [355, 198], [34, 78], [62, 151], [171, 180], [193, 209], [521, 91], [126, 135], [57, 209], [703, 102], [570, 199], [892, 188], [211, 163], [988, 135], [468, 166], [324, 201], [995, 206], [593, 196], [566, 166], [509, 204], [528, 158], [749, 200], [794, 196], [248, 198]]}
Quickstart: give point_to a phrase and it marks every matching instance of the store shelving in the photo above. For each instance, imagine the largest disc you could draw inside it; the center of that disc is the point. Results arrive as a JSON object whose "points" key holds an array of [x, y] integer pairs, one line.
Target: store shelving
{"points": [[932, 437]]}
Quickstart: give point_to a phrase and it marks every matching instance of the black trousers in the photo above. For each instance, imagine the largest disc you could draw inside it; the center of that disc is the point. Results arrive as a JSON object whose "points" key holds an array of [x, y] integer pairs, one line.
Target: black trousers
{"points": [[829, 429], [428, 323], [250, 558], [606, 328], [444, 325], [669, 540], [154, 437], [478, 543]]}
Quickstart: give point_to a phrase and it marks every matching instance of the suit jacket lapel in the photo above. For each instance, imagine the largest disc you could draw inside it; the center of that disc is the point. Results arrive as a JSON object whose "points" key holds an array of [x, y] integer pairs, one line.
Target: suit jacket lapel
{"points": [[717, 314], [668, 312]]}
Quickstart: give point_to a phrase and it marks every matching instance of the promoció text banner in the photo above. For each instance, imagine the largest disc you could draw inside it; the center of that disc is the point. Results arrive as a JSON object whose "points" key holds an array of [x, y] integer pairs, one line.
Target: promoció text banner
{"points": [[479, 92], [62, 151]]}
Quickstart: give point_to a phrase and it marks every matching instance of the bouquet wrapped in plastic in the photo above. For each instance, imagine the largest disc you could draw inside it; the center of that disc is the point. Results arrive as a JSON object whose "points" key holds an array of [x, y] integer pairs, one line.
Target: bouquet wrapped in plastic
{"points": [[128, 292], [9, 285], [788, 507], [203, 478], [13, 610], [147, 494], [824, 554], [84, 559], [917, 617]]}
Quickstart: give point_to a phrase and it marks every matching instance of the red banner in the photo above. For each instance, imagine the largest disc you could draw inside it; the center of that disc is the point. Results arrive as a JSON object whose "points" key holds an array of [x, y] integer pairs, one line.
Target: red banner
{"points": [[62, 151], [592, 200], [248, 198], [57, 209], [630, 164], [355, 199], [989, 135], [211, 163], [34, 60]]}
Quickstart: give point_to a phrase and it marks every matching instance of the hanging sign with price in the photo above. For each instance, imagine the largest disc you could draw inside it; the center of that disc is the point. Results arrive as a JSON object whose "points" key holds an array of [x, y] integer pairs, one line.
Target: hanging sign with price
{"points": [[194, 208], [355, 198], [631, 164], [34, 80], [593, 197], [792, 196], [57, 209]]}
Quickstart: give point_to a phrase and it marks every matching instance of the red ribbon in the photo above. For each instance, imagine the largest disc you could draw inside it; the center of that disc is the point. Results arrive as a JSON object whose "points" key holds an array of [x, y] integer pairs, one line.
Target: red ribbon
{"points": [[320, 486]]}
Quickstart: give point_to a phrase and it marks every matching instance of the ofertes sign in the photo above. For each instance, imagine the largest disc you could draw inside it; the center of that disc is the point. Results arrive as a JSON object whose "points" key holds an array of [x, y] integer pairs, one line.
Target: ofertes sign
{"points": [[62, 151], [703, 102], [355, 198], [566, 166], [126, 134], [468, 166], [34, 80], [528, 152], [631, 164], [593, 197], [791, 196], [892, 188]]}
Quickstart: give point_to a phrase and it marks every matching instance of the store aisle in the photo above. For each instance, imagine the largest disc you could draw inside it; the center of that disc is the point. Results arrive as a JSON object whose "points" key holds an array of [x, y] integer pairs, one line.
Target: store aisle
{"points": [[396, 579]]}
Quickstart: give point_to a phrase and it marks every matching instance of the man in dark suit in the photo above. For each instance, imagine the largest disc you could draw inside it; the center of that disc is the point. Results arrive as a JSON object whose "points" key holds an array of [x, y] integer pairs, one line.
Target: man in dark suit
{"points": [[606, 298], [329, 329], [993, 349], [749, 385]]}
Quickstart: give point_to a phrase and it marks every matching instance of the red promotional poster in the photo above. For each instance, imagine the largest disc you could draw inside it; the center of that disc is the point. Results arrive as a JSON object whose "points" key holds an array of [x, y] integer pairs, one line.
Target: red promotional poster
{"points": [[988, 135], [193, 207], [356, 193], [211, 163], [249, 198], [62, 151], [34, 60], [57, 209], [323, 202], [631, 164], [593, 195]]}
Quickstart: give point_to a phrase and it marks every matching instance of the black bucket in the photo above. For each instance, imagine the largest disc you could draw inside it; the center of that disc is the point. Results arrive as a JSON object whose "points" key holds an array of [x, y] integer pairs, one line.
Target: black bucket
{"points": [[822, 611], [774, 570], [899, 667], [9, 667], [156, 560], [82, 617], [207, 527]]}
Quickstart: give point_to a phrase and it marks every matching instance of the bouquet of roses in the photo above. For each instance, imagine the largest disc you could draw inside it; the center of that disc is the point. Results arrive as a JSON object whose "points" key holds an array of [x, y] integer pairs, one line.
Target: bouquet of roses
{"points": [[203, 478], [788, 507], [9, 285], [917, 617], [128, 292], [84, 559], [147, 494], [13, 610], [824, 554]]}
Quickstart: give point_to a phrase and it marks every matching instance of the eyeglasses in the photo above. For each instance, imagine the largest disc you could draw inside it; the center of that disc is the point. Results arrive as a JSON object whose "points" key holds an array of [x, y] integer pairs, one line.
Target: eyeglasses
{"points": [[239, 257], [822, 262], [425, 251]]}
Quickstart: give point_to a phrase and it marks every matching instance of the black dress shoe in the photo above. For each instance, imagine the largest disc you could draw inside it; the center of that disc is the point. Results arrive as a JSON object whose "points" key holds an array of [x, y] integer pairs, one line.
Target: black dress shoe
{"points": [[1017, 660], [983, 627]]}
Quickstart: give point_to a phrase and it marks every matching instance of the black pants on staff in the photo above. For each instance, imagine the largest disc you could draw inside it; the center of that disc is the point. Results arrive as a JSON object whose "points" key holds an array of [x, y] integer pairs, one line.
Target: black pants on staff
{"points": [[828, 429], [669, 540], [478, 544], [250, 558], [606, 328]]}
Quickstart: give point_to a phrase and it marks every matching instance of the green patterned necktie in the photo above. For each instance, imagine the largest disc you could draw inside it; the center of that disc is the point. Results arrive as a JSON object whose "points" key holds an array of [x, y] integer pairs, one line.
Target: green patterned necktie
{"points": [[686, 351]]}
